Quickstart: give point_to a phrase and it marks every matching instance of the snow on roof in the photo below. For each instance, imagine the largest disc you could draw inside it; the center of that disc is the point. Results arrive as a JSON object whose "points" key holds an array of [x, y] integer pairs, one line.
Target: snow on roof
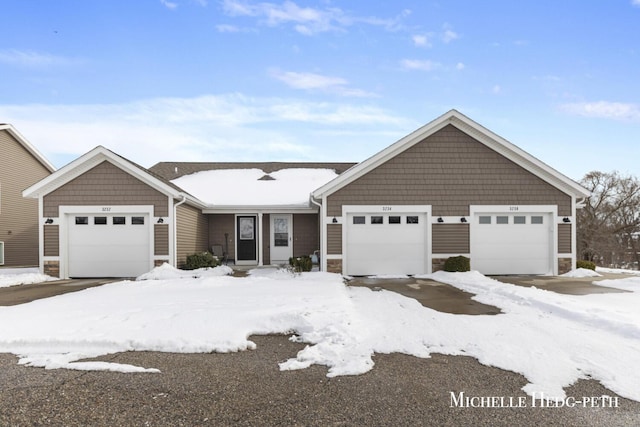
{"points": [[254, 187]]}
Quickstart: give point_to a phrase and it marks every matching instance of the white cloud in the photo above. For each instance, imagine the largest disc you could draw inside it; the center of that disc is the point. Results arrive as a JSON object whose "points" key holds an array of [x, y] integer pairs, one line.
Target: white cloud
{"points": [[306, 20], [230, 127], [460, 66], [448, 35], [635, 3], [313, 81], [604, 110], [421, 40], [168, 4], [28, 58], [496, 89], [420, 64]]}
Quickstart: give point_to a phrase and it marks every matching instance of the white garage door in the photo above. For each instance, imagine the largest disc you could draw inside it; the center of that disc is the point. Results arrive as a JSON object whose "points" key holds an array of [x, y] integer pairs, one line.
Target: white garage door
{"points": [[379, 243], [511, 243], [113, 245]]}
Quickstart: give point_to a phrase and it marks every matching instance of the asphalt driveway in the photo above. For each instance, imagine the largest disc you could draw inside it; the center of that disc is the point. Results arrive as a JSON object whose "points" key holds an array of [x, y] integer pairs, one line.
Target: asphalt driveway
{"points": [[21, 294]]}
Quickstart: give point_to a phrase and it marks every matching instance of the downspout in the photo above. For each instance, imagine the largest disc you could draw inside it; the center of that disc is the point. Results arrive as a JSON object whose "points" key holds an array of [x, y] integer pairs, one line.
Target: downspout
{"points": [[322, 230], [174, 225]]}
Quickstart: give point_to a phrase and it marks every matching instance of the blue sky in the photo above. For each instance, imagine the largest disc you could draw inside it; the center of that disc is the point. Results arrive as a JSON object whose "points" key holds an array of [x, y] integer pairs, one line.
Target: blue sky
{"points": [[241, 80]]}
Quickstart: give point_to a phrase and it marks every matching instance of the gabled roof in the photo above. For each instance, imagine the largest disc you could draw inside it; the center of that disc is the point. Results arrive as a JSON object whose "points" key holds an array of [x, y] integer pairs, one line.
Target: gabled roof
{"points": [[93, 158], [27, 145], [478, 132], [174, 170], [241, 186]]}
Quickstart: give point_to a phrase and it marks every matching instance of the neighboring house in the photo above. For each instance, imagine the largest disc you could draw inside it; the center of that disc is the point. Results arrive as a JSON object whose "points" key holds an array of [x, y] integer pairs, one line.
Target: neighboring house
{"points": [[450, 188], [21, 165]]}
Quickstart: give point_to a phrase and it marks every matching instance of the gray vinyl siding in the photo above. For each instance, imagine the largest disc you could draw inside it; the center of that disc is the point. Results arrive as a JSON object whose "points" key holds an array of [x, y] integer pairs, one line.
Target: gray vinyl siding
{"points": [[450, 238], [192, 231], [105, 184], [334, 239], [450, 171], [18, 215], [161, 239], [306, 234], [564, 239]]}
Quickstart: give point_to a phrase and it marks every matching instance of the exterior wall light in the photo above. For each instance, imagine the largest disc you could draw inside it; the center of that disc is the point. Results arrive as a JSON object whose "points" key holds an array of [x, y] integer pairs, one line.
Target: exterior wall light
{"points": [[440, 219], [463, 219], [49, 221], [565, 219]]}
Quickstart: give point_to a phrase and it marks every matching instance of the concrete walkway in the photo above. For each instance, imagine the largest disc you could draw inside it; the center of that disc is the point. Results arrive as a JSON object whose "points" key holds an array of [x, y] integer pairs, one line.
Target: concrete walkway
{"points": [[565, 285]]}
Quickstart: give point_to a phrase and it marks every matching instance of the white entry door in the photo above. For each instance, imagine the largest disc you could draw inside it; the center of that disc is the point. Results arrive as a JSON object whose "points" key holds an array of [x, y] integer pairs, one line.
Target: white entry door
{"points": [[281, 238]]}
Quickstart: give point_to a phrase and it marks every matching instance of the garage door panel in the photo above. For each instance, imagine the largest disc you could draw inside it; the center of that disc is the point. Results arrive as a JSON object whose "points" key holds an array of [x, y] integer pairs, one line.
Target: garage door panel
{"points": [[108, 249], [512, 248], [387, 248]]}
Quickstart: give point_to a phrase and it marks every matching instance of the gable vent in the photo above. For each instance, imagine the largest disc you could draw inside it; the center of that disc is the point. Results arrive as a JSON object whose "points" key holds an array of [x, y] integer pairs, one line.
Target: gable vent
{"points": [[1, 253], [267, 177]]}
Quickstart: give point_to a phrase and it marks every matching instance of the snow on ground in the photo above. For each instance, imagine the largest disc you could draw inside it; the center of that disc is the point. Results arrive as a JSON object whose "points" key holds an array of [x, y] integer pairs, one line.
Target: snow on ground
{"points": [[551, 339], [21, 276], [581, 272]]}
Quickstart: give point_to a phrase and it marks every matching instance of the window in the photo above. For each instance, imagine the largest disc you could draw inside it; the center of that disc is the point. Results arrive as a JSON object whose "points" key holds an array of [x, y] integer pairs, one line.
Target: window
{"points": [[358, 220], [82, 220], [536, 220], [519, 219], [502, 219], [1, 253], [119, 220], [377, 220], [394, 220], [412, 219], [137, 220], [485, 220], [100, 220]]}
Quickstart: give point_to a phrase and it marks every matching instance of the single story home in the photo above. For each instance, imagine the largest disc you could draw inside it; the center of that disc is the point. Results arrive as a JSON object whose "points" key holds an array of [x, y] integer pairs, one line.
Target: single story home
{"points": [[21, 165], [450, 188]]}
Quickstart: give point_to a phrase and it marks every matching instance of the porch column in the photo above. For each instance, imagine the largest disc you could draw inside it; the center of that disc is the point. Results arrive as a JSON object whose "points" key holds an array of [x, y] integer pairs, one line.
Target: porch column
{"points": [[259, 238]]}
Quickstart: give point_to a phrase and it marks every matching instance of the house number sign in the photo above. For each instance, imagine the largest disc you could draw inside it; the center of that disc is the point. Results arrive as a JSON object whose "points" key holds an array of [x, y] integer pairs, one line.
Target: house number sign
{"points": [[513, 208], [386, 209], [106, 209]]}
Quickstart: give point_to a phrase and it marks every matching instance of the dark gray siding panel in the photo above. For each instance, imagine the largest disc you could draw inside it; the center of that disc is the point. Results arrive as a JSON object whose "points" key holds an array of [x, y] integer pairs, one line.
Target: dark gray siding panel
{"points": [[449, 170], [219, 225], [306, 234], [450, 238]]}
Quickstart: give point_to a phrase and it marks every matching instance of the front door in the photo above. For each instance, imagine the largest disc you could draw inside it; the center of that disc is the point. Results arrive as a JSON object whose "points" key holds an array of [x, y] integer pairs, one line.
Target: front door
{"points": [[246, 239], [281, 238]]}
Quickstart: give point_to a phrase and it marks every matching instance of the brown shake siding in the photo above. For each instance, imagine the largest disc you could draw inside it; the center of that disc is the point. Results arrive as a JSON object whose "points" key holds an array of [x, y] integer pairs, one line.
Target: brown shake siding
{"points": [[192, 232], [161, 239], [51, 240], [564, 238], [306, 234], [18, 215], [105, 184], [334, 239], [450, 238], [449, 170]]}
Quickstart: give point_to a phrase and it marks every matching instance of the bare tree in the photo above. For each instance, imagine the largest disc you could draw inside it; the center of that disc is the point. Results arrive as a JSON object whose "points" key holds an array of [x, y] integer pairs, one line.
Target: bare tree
{"points": [[609, 224]]}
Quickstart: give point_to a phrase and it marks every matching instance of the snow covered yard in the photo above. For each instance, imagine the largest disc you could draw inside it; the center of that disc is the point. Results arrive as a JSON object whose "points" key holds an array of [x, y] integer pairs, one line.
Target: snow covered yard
{"points": [[21, 276], [551, 339]]}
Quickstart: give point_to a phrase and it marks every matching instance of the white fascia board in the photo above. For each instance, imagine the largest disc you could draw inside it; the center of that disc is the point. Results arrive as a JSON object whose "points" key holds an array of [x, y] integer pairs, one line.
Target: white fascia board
{"points": [[261, 209], [93, 158], [28, 146], [480, 133]]}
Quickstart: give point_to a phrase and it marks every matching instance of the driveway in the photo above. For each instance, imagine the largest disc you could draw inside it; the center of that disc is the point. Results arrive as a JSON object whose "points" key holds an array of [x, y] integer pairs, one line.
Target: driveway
{"points": [[15, 295], [448, 299]]}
